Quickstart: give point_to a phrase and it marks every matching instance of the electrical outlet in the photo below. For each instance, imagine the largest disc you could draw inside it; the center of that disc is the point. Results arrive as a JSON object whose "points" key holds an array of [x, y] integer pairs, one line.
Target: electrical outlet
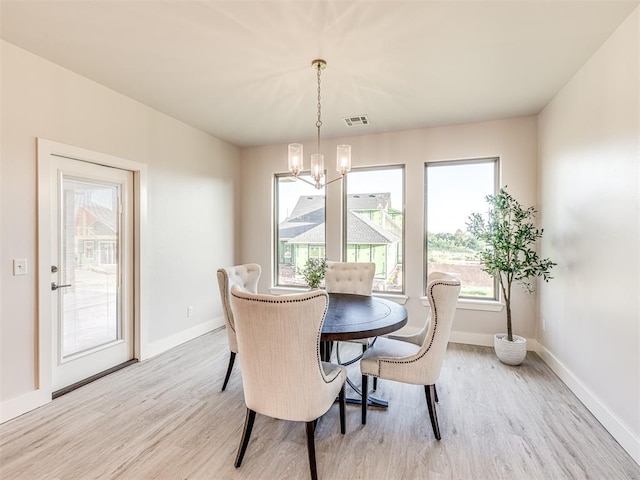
{"points": [[19, 266], [189, 311]]}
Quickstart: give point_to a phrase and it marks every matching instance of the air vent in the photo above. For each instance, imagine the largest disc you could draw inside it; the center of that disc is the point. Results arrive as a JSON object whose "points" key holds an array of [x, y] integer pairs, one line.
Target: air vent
{"points": [[357, 121]]}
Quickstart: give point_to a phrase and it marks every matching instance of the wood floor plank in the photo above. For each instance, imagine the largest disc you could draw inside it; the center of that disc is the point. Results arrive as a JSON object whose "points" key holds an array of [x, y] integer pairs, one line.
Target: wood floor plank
{"points": [[166, 418]]}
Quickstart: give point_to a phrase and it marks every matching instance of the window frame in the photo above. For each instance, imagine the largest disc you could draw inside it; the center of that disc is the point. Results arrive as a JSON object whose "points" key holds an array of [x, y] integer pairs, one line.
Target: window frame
{"points": [[344, 213], [496, 160], [275, 237]]}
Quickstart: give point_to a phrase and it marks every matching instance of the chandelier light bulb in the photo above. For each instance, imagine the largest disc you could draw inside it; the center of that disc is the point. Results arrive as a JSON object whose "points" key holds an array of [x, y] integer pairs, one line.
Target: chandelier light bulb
{"points": [[343, 162], [317, 166], [295, 158]]}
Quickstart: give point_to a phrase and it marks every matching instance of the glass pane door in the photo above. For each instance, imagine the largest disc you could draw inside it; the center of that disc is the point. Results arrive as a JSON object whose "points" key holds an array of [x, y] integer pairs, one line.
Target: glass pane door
{"points": [[90, 313]]}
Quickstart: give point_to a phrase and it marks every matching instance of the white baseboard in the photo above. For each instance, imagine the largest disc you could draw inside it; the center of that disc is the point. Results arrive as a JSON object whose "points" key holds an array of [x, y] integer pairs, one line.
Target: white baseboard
{"points": [[152, 349], [24, 403], [485, 340], [623, 435]]}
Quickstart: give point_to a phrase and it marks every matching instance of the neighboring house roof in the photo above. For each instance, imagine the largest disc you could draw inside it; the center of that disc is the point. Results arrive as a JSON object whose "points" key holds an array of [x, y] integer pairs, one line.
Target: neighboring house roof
{"points": [[359, 230], [309, 205], [369, 201], [362, 230], [288, 230], [306, 222], [104, 218], [306, 206], [313, 235]]}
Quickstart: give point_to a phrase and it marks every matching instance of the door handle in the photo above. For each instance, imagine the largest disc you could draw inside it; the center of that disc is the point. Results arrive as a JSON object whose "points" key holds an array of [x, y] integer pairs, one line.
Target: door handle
{"points": [[55, 286]]}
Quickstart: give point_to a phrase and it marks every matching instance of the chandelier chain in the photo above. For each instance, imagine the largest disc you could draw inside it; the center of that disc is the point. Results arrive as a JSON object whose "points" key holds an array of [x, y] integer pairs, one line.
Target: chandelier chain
{"points": [[319, 121]]}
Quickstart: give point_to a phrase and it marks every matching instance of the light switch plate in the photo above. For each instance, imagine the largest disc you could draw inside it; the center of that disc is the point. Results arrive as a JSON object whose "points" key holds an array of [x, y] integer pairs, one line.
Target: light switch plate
{"points": [[19, 266]]}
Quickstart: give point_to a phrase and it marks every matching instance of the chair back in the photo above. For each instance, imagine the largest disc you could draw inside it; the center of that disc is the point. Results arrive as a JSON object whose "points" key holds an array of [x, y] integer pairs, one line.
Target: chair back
{"points": [[350, 277], [418, 338], [442, 291], [245, 276], [282, 374]]}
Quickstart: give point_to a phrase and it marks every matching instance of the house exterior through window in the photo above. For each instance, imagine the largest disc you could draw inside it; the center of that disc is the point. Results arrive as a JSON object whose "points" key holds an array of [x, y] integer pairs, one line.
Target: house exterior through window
{"points": [[374, 225]]}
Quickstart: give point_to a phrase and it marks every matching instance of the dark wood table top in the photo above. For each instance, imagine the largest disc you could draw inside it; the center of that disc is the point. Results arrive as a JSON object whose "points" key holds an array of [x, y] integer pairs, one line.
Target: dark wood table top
{"points": [[350, 317]]}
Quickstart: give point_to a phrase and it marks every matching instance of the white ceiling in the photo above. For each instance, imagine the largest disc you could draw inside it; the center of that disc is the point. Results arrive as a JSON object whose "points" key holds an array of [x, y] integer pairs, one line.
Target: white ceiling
{"points": [[241, 70]]}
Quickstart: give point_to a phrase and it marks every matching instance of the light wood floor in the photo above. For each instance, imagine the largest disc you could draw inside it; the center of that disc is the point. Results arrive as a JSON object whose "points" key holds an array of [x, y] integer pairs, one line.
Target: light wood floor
{"points": [[166, 418]]}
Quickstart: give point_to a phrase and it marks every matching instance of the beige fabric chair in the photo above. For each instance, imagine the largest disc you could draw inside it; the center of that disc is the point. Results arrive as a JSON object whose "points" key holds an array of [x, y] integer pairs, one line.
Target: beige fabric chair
{"points": [[245, 276], [282, 374], [417, 338], [352, 278], [349, 277], [413, 362]]}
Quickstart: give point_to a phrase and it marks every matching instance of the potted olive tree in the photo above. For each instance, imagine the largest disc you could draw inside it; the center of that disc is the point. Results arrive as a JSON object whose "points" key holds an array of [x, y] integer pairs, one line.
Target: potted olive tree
{"points": [[508, 235], [313, 271]]}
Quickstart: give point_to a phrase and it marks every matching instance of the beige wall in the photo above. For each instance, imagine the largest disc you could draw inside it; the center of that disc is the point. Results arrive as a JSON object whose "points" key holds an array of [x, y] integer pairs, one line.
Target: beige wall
{"points": [[514, 140], [191, 213], [589, 193]]}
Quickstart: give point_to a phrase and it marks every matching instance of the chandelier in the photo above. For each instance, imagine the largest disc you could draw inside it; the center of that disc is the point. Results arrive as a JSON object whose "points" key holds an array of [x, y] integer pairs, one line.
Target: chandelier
{"points": [[343, 154]]}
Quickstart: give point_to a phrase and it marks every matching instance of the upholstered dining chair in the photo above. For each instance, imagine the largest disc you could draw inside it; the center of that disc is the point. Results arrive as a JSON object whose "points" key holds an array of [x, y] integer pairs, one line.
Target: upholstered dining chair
{"points": [[349, 277], [283, 376], [352, 278], [418, 361], [245, 276], [417, 338]]}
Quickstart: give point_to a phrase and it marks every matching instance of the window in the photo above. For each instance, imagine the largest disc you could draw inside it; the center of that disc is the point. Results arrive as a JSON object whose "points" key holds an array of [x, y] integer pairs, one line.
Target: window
{"points": [[454, 190], [374, 226], [299, 232]]}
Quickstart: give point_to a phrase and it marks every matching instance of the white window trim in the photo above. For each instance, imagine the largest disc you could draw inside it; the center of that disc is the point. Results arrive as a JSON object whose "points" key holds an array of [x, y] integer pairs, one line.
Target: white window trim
{"points": [[472, 304]]}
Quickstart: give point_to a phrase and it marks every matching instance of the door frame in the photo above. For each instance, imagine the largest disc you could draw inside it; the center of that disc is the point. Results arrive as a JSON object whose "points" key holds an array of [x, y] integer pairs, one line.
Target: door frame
{"points": [[45, 149]]}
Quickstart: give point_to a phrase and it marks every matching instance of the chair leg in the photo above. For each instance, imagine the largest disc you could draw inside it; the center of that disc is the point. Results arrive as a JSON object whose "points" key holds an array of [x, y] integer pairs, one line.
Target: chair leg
{"points": [[325, 351], [342, 404], [248, 426], [311, 449], [429, 391], [232, 358], [375, 379], [365, 387], [435, 392]]}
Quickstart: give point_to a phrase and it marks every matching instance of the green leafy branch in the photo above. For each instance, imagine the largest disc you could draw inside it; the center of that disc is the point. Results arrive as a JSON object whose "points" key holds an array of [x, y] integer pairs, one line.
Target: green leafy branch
{"points": [[313, 271], [508, 236]]}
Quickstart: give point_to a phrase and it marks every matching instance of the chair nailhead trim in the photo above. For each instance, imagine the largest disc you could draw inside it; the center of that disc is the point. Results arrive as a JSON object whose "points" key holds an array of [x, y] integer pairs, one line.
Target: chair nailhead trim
{"points": [[298, 300]]}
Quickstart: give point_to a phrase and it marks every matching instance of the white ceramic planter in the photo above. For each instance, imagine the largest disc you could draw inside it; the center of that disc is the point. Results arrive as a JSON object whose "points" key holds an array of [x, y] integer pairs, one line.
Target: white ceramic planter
{"points": [[511, 353]]}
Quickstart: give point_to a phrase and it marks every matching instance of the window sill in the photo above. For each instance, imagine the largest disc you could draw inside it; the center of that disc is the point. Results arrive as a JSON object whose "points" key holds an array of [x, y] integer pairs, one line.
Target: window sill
{"points": [[286, 290], [397, 297], [468, 304]]}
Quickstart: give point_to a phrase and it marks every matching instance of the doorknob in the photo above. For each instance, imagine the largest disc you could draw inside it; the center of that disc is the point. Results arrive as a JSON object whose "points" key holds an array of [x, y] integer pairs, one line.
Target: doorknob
{"points": [[55, 286]]}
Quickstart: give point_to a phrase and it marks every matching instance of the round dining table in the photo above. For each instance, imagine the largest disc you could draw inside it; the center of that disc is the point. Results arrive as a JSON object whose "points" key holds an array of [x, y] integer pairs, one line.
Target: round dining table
{"points": [[353, 317]]}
